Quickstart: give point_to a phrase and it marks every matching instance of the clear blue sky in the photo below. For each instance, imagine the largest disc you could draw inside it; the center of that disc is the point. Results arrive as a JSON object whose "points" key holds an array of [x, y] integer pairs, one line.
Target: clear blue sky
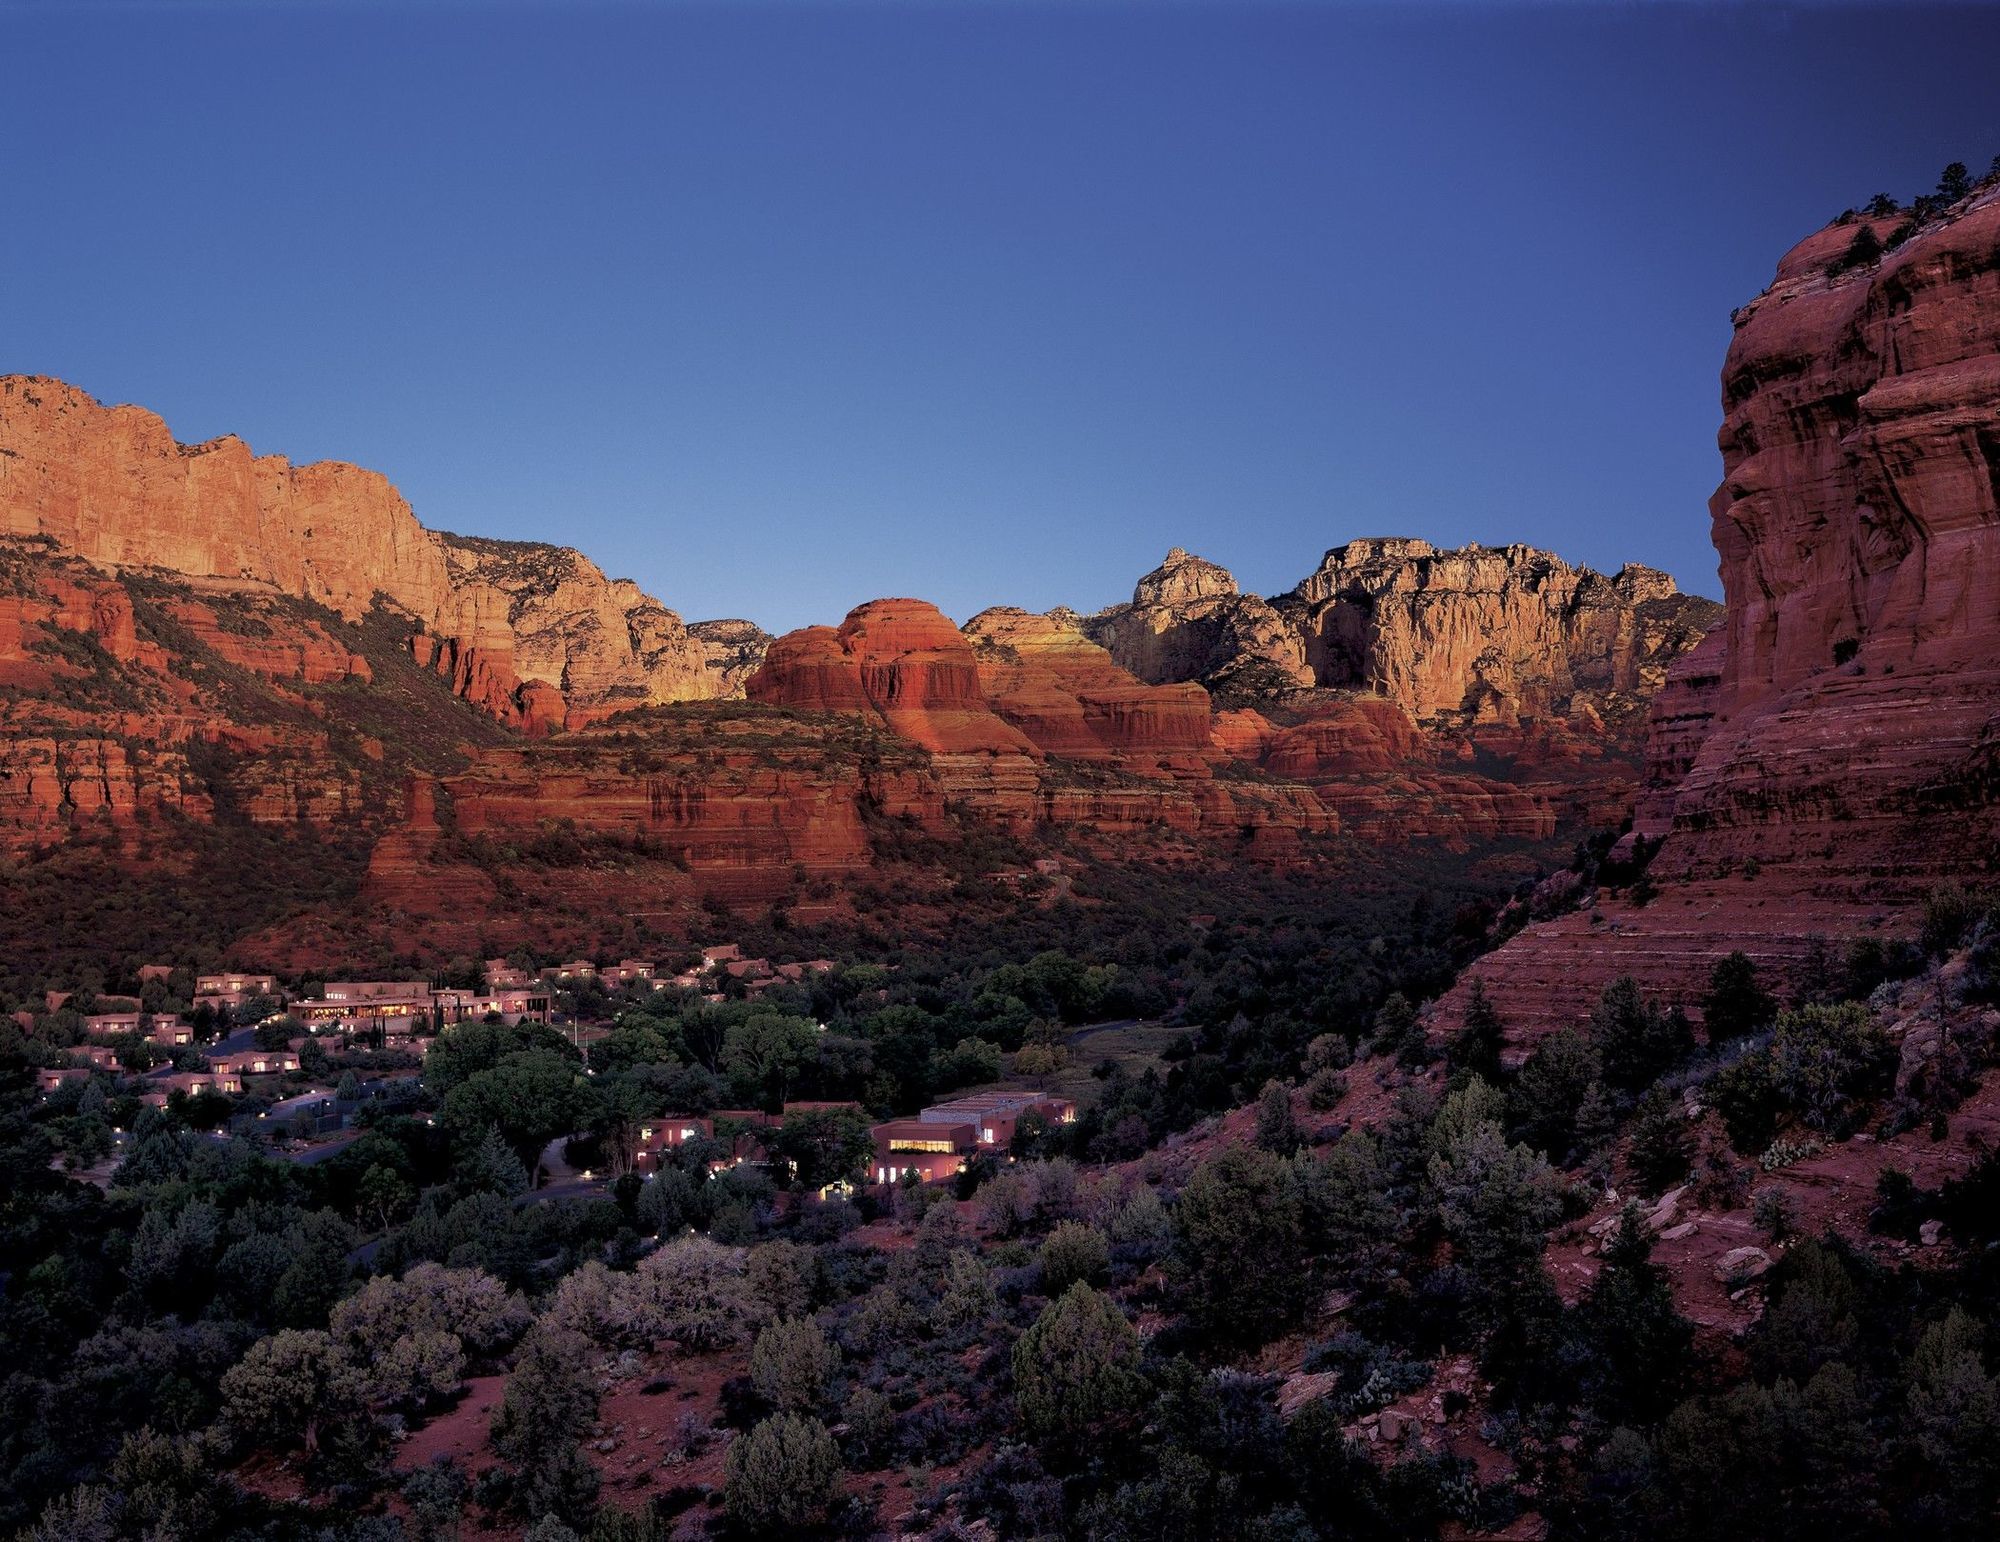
{"points": [[779, 307]]}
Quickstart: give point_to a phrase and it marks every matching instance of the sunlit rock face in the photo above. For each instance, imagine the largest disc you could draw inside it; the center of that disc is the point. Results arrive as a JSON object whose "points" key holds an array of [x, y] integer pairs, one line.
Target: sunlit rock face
{"points": [[1455, 638], [532, 633]]}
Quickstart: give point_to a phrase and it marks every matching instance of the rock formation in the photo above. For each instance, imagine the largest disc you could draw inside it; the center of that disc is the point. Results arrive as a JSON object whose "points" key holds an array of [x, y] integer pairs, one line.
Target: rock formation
{"points": [[1070, 698], [1837, 749], [1189, 621], [125, 698], [518, 627], [1028, 722], [1461, 638], [196, 636], [731, 650], [1473, 694], [661, 811], [1490, 634]]}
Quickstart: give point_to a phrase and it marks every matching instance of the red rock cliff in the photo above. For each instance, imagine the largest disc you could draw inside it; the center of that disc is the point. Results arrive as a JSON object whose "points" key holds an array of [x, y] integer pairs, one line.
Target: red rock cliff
{"points": [[1837, 750], [111, 485]]}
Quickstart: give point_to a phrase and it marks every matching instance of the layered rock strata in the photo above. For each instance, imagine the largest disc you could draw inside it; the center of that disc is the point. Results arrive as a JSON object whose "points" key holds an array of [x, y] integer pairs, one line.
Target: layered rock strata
{"points": [[1837, 750], [1027, 722], [534, 634]]}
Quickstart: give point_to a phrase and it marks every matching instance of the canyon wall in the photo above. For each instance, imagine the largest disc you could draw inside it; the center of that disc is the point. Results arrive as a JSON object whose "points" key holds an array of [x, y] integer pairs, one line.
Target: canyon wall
{"points": [[535, 634], [196, 633], [1836, 750], [1455, 638], [1476, 694]]}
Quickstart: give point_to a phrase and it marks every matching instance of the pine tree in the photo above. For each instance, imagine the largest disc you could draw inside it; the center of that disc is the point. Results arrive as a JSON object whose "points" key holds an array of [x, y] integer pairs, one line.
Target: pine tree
{"points": [[1735, 1003], [1477, 1047], [494, 1166]]}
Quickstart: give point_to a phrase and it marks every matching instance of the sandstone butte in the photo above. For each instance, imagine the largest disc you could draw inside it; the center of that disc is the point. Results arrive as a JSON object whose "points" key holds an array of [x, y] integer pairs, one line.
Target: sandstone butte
{"points": [[1831, 753], [534, 634], [1028, 722]]}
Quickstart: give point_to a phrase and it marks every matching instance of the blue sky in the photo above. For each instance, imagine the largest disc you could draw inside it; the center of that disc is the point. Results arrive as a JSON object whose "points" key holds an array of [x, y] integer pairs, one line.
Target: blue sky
{"points": [[779, 307]]}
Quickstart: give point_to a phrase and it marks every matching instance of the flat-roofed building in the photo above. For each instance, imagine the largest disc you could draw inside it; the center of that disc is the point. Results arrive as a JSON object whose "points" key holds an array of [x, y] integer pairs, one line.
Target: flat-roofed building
{"points": [[510, 1006], [932, 1150], [102, 1025], [669, 1132], [244, 984], [194, 1082], [501, 975], [938, 1142], [258, 1062], [366, 1001], [997, 1114]]}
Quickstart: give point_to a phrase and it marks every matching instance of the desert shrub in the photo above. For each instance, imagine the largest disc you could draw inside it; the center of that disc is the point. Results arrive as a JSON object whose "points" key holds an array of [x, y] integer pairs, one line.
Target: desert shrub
{"points": [[793, 1366], [781, 1477], [1074, 1252], [1277, 1126], [1239, 1258], [1861, 252], [1478, 1044], [548, 1407], [1735, 1004], [692, 1291], [1662, 1143], [1492, 1199], [968, 1300], [1746, 1094], [1076, 1370], [1949, 913], [1774, 1213], [1549, 1093], [1825, 1058], [1636, 1040], [1346, 1206], [1325, 1089], [287, 1388]]}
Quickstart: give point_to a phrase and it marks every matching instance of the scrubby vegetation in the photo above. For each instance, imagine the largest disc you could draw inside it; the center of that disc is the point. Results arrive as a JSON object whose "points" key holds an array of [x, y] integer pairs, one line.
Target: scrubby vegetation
{"points": [[1352, 1315]]}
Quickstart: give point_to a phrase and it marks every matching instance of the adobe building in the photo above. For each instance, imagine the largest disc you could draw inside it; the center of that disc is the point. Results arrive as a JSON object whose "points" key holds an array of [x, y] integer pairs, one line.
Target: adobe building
{"points": [[940, 1140]]}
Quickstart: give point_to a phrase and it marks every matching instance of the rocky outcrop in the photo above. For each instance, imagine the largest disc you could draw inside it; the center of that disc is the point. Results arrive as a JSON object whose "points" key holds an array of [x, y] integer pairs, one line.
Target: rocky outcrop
{"points": [[1458, 639], [123, 699], [1490, 634], [736, 803], [508, 622], [1858, 523], [1189, 621], [732, 650], [1837, 749], [899, 661]]}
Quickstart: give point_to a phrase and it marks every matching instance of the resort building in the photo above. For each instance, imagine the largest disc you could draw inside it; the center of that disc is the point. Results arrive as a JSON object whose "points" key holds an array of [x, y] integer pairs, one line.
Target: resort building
{"points": [[940, 1140]]}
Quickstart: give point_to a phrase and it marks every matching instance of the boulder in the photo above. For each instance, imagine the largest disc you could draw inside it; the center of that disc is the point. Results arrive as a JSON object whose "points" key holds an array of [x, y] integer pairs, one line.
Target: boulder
{"points": [[1741, 1264]]}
